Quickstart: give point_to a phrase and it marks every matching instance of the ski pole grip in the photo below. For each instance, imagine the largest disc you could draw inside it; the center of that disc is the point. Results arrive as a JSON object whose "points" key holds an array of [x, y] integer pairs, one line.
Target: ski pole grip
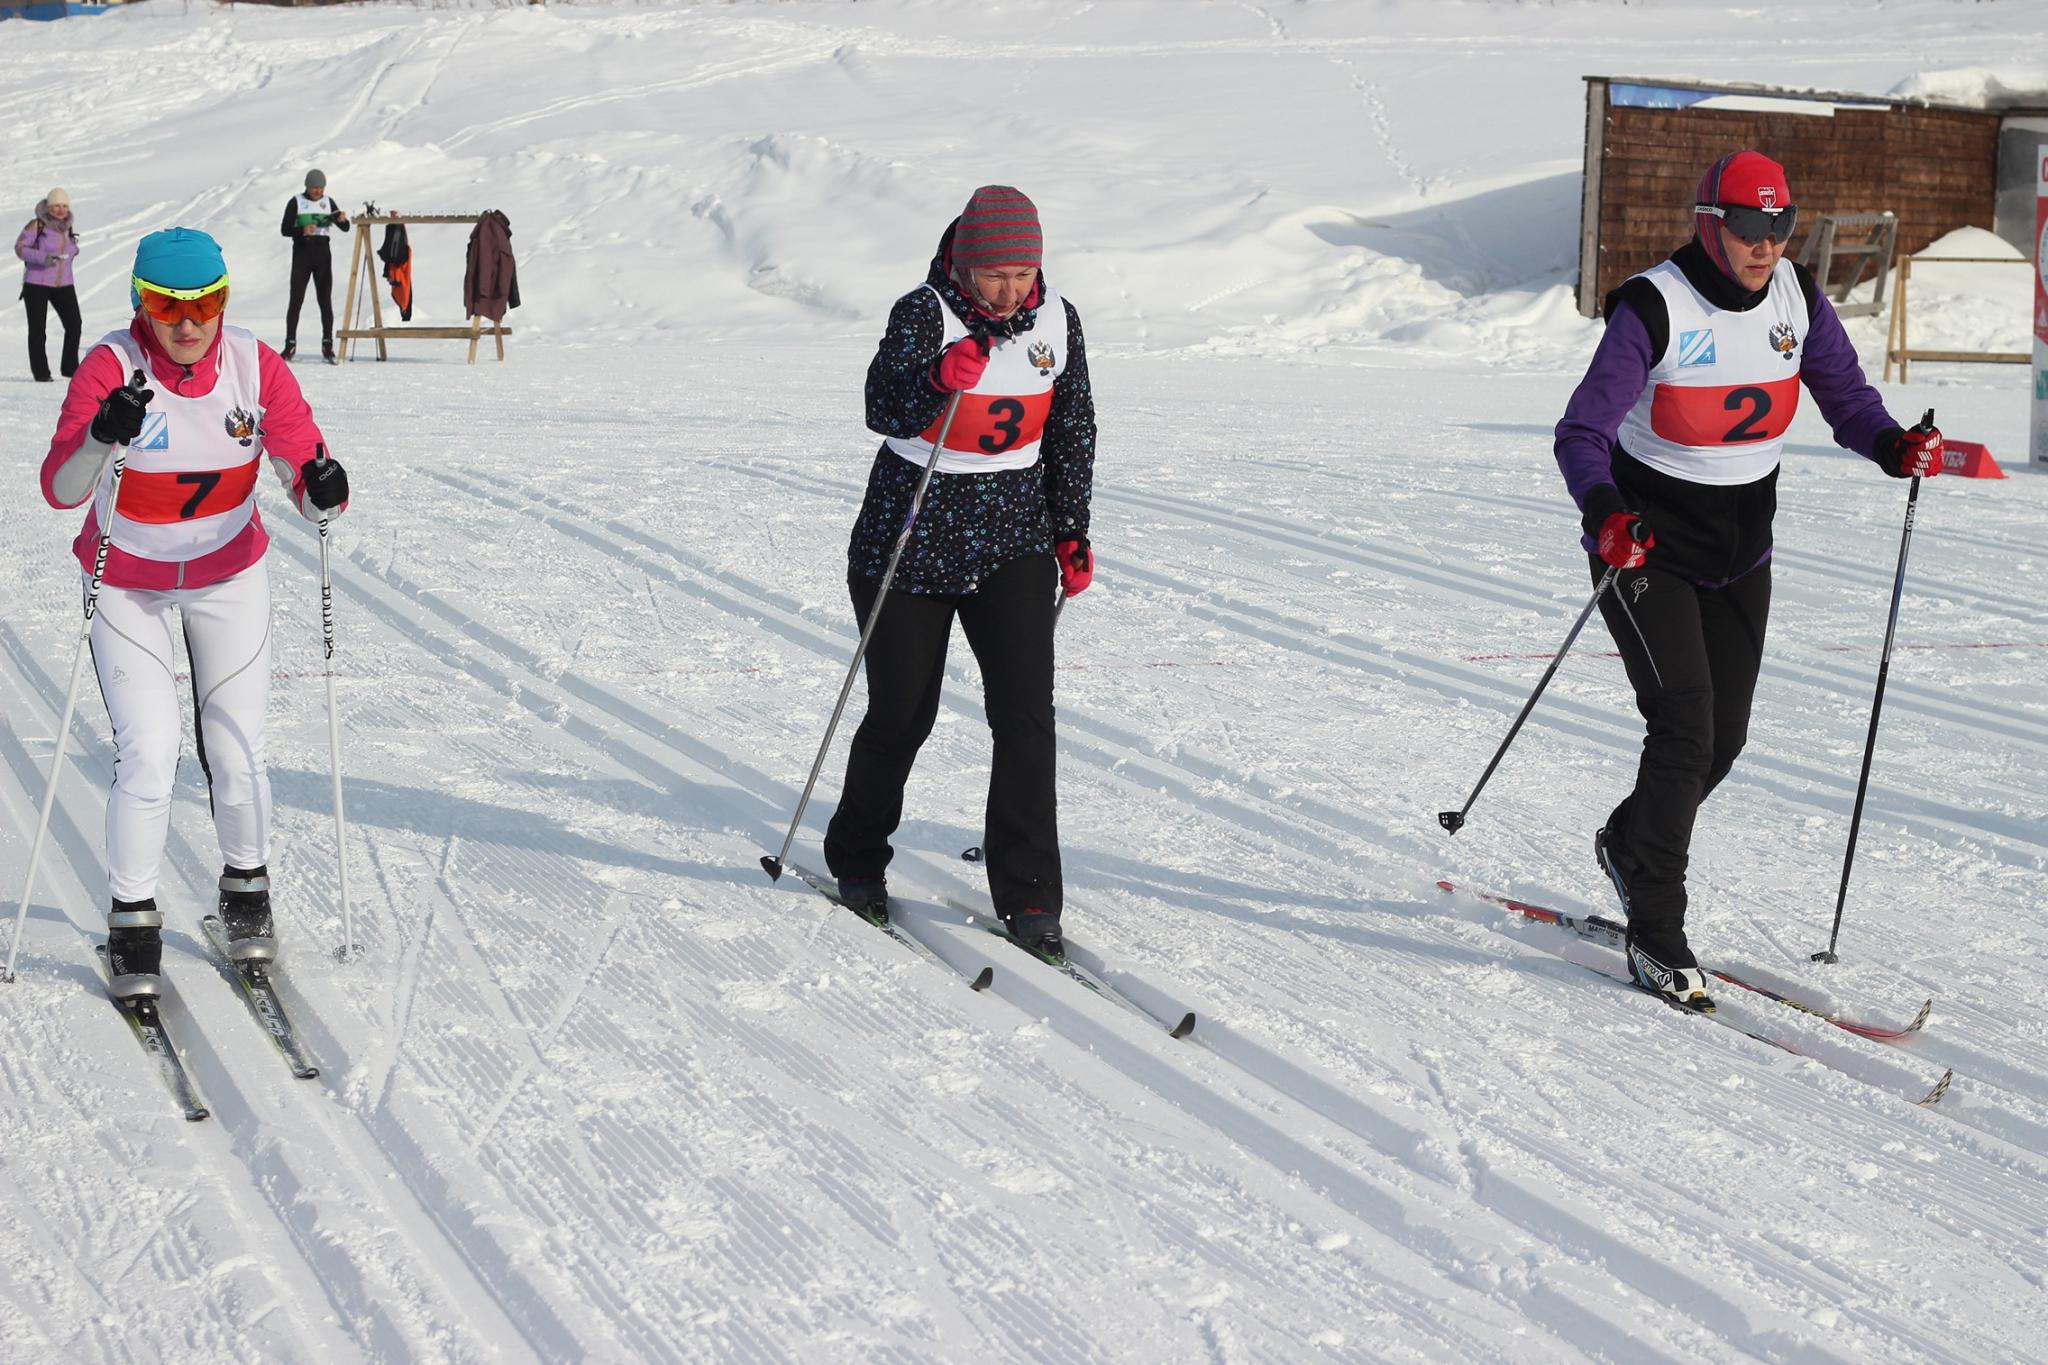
{"points": [[320, 452], [1926, 422], [1638, 530]]}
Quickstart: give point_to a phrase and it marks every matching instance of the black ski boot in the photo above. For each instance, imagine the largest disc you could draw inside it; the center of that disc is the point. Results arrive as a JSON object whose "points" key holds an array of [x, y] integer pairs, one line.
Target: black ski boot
{"points": [[245, 914], [135, 949], [867, 897], [327, 350], [1606, 851], [291, 348], [1038, 931], [1662, 963]]}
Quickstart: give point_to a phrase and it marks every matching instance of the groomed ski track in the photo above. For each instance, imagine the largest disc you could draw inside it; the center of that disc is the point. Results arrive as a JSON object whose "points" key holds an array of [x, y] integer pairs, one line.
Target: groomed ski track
{"points": [[591, 1048]]}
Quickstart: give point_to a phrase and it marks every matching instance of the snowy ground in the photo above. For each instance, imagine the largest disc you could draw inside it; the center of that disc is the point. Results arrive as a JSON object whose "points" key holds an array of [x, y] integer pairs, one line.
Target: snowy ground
{"points": [[598, 1090]]}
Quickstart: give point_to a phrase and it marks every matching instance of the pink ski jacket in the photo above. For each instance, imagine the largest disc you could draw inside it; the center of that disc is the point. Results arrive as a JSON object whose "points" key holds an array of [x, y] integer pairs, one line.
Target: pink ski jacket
{"points": [[289, 436]]}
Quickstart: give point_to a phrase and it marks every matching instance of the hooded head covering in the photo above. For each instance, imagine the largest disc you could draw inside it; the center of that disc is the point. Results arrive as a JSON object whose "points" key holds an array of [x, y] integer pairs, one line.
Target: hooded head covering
{"points": [[1744, 179], [998, 228], [177, 258]]}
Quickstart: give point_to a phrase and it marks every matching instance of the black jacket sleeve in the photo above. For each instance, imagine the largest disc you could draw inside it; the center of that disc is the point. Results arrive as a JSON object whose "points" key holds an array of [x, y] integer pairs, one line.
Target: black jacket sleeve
{"points": [[900, 398], [1068, 451], [290, 226]]}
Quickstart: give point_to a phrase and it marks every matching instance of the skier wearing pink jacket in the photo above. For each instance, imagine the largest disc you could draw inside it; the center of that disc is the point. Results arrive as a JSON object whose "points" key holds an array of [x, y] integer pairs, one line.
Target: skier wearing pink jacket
{"points": [[199, 406]]}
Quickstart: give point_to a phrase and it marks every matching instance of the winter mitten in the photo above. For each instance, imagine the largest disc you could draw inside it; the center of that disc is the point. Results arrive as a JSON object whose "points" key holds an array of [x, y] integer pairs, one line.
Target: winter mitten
{"points": [[119, 419], [1910, 454], [961, 365], [1625, 540], [1077, 565], [326, 483]]}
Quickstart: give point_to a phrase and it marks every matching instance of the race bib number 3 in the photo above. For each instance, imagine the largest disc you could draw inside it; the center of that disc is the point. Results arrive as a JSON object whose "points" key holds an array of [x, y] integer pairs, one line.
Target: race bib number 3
{"points": [[995, 425], [158, 497], [1700, 415]]}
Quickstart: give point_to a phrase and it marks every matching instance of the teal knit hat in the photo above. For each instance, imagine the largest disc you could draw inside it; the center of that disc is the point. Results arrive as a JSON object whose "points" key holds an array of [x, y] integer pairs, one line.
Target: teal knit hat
{"points": [[177, 258]]}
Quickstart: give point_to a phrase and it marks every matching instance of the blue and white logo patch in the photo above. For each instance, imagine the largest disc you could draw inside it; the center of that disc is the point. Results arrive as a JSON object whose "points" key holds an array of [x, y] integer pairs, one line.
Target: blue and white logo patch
{"points": [[1695, 348], [156, 432]]}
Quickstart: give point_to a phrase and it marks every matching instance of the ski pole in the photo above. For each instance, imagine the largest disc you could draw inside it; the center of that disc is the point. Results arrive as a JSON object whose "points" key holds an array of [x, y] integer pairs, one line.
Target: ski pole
{"points": [[772, 863], [1454, 820], [348, 930], [92, 603], [1876, 707]]}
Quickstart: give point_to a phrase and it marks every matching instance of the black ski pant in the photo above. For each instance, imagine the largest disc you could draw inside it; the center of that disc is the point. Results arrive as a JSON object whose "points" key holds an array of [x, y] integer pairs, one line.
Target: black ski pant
{"points": [[311, 260], [1692, 655], [39, 299], [1008, 621]]}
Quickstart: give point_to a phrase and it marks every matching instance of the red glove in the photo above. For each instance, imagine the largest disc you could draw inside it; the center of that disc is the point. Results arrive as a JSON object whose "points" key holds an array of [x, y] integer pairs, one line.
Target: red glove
{"points": [[1077, 565], [1913, 453], [1625, 540], [961, 364]]}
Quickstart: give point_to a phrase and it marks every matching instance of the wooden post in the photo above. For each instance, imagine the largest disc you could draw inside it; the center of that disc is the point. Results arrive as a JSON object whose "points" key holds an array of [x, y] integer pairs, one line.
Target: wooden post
{"points": [[376, 299], [1905, 278], [476, 321], [355, 265]]}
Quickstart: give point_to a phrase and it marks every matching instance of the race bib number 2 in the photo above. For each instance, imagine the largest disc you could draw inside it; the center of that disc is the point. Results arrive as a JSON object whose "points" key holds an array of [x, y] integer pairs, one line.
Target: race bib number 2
{"points": [[1707, 415]]}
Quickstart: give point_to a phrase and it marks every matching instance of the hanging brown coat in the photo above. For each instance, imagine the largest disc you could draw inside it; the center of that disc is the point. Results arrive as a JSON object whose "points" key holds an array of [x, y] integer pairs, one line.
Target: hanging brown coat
{"points": [[490, 279]]}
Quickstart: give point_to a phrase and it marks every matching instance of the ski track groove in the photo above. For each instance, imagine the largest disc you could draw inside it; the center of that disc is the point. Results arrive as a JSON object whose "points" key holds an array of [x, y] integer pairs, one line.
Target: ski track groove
{"points": [[294, 1198], [520, 657], [477, 632], [1329, 844], [653, 543]]}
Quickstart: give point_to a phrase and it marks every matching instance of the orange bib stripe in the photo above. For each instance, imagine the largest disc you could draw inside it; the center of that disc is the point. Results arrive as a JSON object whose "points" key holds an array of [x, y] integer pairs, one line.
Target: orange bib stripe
{"points": [[157, 496], [1736, 414], [992, 424]]}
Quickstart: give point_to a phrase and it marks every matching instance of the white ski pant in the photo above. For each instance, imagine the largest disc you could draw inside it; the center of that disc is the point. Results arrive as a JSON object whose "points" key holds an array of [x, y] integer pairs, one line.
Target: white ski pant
{"points": [[227, 641]]}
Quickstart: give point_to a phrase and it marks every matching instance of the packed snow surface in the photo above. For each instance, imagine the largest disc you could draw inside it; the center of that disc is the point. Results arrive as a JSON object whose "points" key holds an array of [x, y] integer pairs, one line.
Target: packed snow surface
{"points": [[597, 1089]]}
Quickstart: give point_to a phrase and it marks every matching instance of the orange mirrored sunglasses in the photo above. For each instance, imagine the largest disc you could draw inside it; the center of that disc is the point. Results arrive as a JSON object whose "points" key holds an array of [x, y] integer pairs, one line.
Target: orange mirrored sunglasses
{"points": [[173, 306]]}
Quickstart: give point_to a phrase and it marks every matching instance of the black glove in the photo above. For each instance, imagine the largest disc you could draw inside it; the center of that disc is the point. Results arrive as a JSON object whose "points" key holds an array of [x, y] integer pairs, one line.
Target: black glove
{"points": [[326, 483], [119, 419]]}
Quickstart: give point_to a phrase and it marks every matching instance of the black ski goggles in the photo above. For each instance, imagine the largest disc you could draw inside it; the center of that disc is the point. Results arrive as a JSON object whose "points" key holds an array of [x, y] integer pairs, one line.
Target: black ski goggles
{"points": [[1754, 225]]}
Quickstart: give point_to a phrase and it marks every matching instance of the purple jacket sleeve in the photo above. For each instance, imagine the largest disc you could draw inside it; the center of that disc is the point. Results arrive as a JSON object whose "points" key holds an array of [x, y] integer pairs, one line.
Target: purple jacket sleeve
{"points": [[1584, 441], [1834, 376]]}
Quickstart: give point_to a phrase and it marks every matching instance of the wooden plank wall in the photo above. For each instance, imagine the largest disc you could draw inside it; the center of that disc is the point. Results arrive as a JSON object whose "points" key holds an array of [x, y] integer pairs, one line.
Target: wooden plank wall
{"points": [[1937, 169]]}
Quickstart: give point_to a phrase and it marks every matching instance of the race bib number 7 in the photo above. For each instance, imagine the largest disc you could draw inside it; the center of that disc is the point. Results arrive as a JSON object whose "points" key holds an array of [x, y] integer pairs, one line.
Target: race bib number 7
{"points": [[160, 496]]}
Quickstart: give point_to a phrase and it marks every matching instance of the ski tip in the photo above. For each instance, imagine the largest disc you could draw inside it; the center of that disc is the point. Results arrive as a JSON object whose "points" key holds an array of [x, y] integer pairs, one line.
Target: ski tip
{"points": [[1940, 1088], [971, 855], [1451, 820], [195, 1115], [1920, 1019], [305, 1073], [772, 865], [1183, 1028], [1443, 885], [985, 980]]}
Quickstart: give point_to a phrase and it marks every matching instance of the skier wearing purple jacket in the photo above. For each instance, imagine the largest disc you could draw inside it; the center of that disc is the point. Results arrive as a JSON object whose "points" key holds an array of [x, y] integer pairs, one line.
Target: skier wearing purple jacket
{"points": [[47, 247], [1670, 447]]}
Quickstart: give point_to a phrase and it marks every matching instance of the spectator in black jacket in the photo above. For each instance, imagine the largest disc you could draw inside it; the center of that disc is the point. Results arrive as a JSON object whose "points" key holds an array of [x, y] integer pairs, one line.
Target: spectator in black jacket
{"points": [[308, 218]]}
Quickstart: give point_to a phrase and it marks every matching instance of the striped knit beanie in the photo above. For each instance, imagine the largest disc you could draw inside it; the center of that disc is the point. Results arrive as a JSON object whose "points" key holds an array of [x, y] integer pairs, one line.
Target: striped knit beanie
{"points": [[998, 228], [1745, 178]]}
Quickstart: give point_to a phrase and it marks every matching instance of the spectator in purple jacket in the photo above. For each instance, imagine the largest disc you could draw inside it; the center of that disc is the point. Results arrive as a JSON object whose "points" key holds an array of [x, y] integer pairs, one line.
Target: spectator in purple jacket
{"points": [[47, 247], [1670, 447]]}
